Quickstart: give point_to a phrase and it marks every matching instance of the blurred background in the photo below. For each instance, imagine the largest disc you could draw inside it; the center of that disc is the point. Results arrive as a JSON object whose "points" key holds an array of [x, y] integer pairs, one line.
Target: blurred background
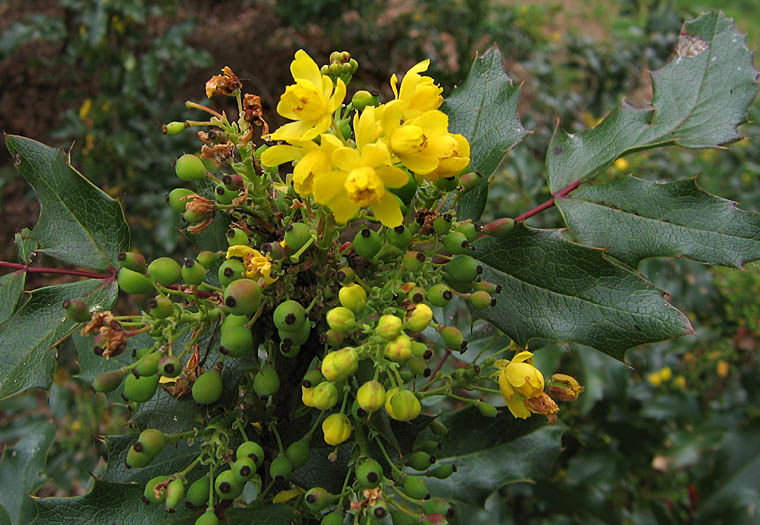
{"points": [[671, 437]]}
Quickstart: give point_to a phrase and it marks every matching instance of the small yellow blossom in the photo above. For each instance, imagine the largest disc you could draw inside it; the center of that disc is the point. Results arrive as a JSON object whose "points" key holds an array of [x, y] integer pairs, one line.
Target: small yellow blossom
{"points": [[310, 102], [312, 160], [418, 93], [621, 164], [257, 265], [519, 380], [654, 379], [666, 373]]}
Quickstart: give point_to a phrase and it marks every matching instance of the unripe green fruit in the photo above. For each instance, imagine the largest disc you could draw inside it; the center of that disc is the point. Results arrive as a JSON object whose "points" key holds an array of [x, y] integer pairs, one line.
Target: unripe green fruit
{"points": [[418, 367], [225, 196], [481, 299], [438, 428], [419, 460], [333, 518], [174, 198], [175, 491], [170, 366], [208, 258], [453, 338], [160, 307], [296, 236], [447, 184], [341, 319], [456, 243], [236, 340], [379, 509], [132, 282], [312, 378], [155, 496], [487, 409], [317, 499], [353, 297], [194, 217], [361, 99], [470, 230], [189, 167], [231, 320], [298, 452], [207, 388], [252, 450], [433, 519], [325, 396], [369, 473], [416, 295], [463, 268], [76, 310], [133, 261], [371, 396], [236, 236], [266, 382], [164, 270], [227, 486], [151, 442], [137, 459], [443, 471], [421, 350], [440, 295], [367, 243], [470, 180], [340, 364], [419, 318], [499, 227], [345, 275], [207, 518], [442, 224], [109, 381], [297, 337], [140, 389], [173, 128], [414, 261], [438, 506], [244, 469], [415, 487], [400, 237], [148, 365], [281, 467], [399, 517], [334, 338], [142, 352], [192, 271], [229, 271], [400, 349], [289, 315], [430, 446], [404, 405], [197, 492], [485, 286], [242, 297]]}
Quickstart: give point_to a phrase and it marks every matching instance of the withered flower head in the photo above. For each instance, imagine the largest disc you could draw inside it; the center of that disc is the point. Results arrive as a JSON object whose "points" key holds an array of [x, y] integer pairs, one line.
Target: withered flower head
{"points": [[545, 405], [225, 84], [219, 152], [198, 204], [112, 339], [98, 319]]}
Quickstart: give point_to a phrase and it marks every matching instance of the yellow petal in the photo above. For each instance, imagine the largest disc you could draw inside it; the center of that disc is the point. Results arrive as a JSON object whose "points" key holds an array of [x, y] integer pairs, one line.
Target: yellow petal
{"points": [[294, 131], [522, 356], [392, 177], [375, 155], [411, 79], [365, 127], [388, 211], [304, 68], [337, 97], [328, 186], [391, 117], [516, 405], [346, 159], [343, 209], [280, 154], [239, 250], [419, 164]]}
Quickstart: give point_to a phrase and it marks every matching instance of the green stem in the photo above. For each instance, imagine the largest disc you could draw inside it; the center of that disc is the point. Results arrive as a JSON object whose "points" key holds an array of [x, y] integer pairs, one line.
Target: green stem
{"points": [[387, 457]]}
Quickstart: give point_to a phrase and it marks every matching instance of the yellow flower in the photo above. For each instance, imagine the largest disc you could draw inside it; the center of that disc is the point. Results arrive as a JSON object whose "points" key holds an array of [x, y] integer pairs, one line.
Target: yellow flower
{"points": [[310, 102], [520, 380], [257, 265], [313, 160], [418, 93], [336, 429], [362, 176]]}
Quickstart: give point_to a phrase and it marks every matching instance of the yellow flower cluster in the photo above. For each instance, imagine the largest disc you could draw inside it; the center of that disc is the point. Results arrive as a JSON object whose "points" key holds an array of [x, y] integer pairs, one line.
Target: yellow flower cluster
{"points": [[406, 135], [257, 265]]}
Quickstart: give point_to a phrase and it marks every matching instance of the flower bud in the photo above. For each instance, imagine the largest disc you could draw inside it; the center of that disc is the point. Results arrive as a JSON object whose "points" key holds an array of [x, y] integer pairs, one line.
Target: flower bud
{"points": [[418, 318], [340, 364], [402, 405], [336, 429], [325, 396], [567, 388], [307, 396], [400, 349], [389, 326], [353, 297], [362, 99], [341, 319], [487, 409], [371, 396]]}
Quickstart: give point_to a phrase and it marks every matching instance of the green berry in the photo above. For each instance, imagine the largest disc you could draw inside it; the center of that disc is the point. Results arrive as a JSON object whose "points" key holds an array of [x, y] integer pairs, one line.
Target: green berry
{"points": [[207, 518], [109, 381], [418, 367], [440, 295], [456, 243], [362, 99], [148, 365], [197, 492], [444, 471], [175, 491], [345, 275], [244, 468], [76, 310], [414, 261], [421, 350], [231, 320], [481, 299], [151, 441], [224, 195], [379, 509], [137, 459], [298, 452], [133, 261], [236, 341], [442, 224], [416, 295], [252, 450], [438, 428], [170, 366], [296, 236], [470, 230], [140, 389], [236, 236], [160, 307], [227, 486], [325, 395], [266, 382], [242, 297], [367, 243], [174, 198], [173, 128], [334, 338], [369, 473], [192, 271], [333, 518], [312, 378], [400, 237], [399, 517], [194, 217], [297, 337], [453, 338], [353, 297], [164, 270], [153, 494], [438, 506], [468, 181], [317, 499], [487, 409], [281, 467], [132, 282], [207, 388], [229, 271], [419, 460], [485, 286], [189, 167], [341, 319], [208, 258], [499, 227], [463, 268], [289, 315]]}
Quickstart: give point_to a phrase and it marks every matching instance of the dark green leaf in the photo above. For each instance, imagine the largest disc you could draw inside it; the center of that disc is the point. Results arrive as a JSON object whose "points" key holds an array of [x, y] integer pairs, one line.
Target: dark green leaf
{"points": [[11, 288], [22, 469], [78, 222], [26, 244], [636, 219], [29, 336], [700, 97], [92, 365], [490, 453], [484, 110], [558, 290]]}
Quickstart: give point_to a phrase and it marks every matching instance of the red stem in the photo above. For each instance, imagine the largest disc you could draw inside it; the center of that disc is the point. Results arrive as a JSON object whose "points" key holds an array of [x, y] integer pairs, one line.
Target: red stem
{"points": [[437, 368], [548, 204], [63, 271]]}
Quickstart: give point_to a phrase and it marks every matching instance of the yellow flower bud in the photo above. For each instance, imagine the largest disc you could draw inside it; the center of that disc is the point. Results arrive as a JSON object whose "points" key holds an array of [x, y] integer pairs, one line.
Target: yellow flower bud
{"points": [[389, 326], [371, 396], [399, 350], [419, 318], [340, 364], [353, 297], [307, 396], [404, 405], [336, 428]]}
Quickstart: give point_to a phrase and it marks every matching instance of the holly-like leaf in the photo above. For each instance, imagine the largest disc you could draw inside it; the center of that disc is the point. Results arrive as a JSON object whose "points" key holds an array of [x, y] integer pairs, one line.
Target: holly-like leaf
{"points": [[635, 219], [78, 223], [484, 110], [27, 337], [120, 503], [700, 97], [11, 288], [555, 289], [490, 453]]}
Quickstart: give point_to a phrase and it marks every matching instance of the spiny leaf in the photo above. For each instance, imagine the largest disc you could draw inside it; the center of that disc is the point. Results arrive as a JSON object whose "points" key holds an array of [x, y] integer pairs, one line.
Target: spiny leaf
{"points": [[636, 219], [484, 110], [555, 289], [700, 97], [29, 335], [78, 223]]}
